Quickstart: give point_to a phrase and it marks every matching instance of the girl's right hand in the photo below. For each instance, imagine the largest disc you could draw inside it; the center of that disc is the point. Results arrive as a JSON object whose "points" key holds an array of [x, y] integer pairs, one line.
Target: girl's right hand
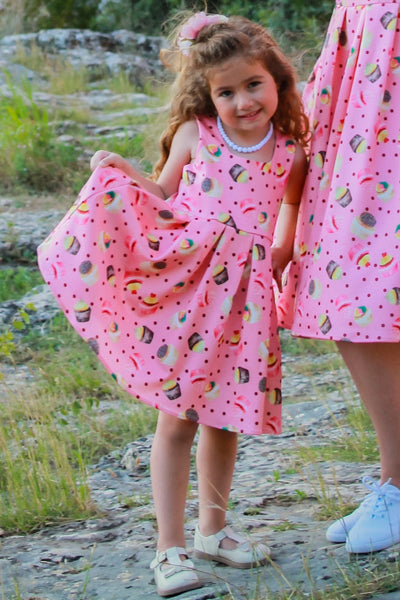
{"points": [[102, 158]]}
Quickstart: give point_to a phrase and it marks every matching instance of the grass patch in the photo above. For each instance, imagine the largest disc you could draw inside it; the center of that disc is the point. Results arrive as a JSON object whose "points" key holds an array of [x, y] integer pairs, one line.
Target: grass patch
{"points": [[30, 155], [39, 483], [51, 434], [15, 283]]}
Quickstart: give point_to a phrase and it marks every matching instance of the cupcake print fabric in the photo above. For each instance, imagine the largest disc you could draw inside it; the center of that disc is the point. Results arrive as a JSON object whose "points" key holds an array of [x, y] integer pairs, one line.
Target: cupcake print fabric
{"points": [[176, 297], [348, 238]]}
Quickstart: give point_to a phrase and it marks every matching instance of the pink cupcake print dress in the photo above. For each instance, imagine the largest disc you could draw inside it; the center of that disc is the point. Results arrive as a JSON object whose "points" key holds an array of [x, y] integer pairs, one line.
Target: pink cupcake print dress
{"points": [[175, 297], [348, 241]]}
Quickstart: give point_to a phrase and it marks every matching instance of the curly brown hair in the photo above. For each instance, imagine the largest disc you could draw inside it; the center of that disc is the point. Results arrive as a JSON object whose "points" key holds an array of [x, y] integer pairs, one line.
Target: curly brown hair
{"points": [[214, 44]]}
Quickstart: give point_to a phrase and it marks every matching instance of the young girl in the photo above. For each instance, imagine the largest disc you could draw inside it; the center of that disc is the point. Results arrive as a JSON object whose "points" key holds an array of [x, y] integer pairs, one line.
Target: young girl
{"points": [[170, 279], [348, 288]]}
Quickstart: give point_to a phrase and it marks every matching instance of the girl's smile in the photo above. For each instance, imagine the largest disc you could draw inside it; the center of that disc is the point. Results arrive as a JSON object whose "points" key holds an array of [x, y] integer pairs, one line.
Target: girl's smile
{"points": [[246, 97]]}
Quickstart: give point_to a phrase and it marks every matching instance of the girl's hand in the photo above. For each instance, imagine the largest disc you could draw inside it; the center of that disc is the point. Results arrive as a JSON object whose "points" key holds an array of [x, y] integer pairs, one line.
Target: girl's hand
{"points": [[102, 158], [280, 259]]}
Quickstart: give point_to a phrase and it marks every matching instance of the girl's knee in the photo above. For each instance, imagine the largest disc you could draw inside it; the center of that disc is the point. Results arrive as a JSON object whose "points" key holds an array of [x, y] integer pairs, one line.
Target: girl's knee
{"points": [[175, 429]]}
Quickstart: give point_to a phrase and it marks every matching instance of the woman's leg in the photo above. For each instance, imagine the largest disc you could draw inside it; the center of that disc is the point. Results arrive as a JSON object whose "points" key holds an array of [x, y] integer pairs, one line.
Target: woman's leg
{"points": [[216, 457], [170, 467], [375, 369]]}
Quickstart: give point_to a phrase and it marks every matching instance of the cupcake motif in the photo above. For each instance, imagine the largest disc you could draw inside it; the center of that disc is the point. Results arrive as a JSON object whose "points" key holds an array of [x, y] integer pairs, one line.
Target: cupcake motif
{"points": [[360, 256], [112, 202], [114, 332], [88, 272], [315, 289], [252, 313], [149, 304], [263, 221], [211, 187], [247, 205], [358, 144], [144, 334], [388, 265], [389, 20], [110, 274], [94, 345], [212, 390], [275, 396], [342, 303], [210, 153], [103, 241], [363, 226], [242, 404], [196, 343], [165, 218], [319, 159], [382, 135], [241, 375], [372, 72], [220, 274], [384, 191], [362, 316], [324, 324], [326, 95], [187, 246], [132, 283], [395, 65], [178, 319], [71, 244], [239, 174], [393, 296], [153, 242], [82, 311], [290, 146], [343, 196], [263, 350], [188, 177], [258, 252], [334, 270], [171, 389], [226, 219], [167, 355], [191, 415]]}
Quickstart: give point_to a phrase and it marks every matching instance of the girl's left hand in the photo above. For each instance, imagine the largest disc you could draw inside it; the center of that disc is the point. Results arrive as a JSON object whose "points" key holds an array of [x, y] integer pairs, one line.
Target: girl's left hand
{"points": [[279, 259]]}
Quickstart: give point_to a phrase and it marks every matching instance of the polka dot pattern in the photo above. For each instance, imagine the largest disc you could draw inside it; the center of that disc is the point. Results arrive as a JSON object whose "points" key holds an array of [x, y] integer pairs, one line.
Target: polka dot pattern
{"points": [[345, 282], [176, 297]]}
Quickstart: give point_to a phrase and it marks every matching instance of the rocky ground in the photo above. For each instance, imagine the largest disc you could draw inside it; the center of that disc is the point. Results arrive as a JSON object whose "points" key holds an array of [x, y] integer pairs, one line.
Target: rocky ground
{"points": [[108, 558]]}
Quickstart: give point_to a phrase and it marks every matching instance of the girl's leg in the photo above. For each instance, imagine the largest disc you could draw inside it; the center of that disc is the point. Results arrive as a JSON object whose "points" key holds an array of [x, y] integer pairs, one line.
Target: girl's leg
{"points": [[170, 467], [216, 457], [375, 369]]}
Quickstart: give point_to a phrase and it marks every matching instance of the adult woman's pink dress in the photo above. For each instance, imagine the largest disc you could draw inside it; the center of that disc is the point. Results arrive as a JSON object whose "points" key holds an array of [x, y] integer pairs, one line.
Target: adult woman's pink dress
{"points": [[176, 297], [348, 241]]}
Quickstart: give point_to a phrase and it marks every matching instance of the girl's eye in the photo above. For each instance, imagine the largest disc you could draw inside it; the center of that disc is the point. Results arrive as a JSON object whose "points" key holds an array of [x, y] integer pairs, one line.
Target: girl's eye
{"points": [[226, 93], [254, 84]]}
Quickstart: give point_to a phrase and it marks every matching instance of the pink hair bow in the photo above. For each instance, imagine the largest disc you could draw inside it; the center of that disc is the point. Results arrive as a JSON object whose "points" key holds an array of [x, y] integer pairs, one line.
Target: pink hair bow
{"points": [[193, 26]]}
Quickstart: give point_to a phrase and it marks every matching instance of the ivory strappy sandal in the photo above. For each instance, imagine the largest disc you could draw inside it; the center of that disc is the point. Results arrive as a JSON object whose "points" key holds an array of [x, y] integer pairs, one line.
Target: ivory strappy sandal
{"points": [[245, 555], [172, 574]]}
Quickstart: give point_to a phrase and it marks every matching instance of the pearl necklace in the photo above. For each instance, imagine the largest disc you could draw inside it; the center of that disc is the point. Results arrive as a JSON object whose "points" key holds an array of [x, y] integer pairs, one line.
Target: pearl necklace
{"points": [[237, 148]]}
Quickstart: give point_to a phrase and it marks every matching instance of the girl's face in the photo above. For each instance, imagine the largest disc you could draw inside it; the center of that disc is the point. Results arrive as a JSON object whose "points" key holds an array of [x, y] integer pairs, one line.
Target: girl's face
{"points": [[245, 96]]}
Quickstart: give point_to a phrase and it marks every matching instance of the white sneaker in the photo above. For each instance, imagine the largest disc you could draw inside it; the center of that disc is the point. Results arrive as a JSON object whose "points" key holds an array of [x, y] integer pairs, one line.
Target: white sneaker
{"points": [[378, 526], [172, 574], [338, 531]]}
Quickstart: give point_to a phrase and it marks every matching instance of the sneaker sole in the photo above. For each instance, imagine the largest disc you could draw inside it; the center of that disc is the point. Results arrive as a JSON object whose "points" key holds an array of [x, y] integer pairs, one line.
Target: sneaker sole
{"points": [[387, 543]]}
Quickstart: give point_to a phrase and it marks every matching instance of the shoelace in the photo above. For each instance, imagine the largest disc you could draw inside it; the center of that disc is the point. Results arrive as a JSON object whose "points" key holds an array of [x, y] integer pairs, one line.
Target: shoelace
{"points": [[384, 494]]}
